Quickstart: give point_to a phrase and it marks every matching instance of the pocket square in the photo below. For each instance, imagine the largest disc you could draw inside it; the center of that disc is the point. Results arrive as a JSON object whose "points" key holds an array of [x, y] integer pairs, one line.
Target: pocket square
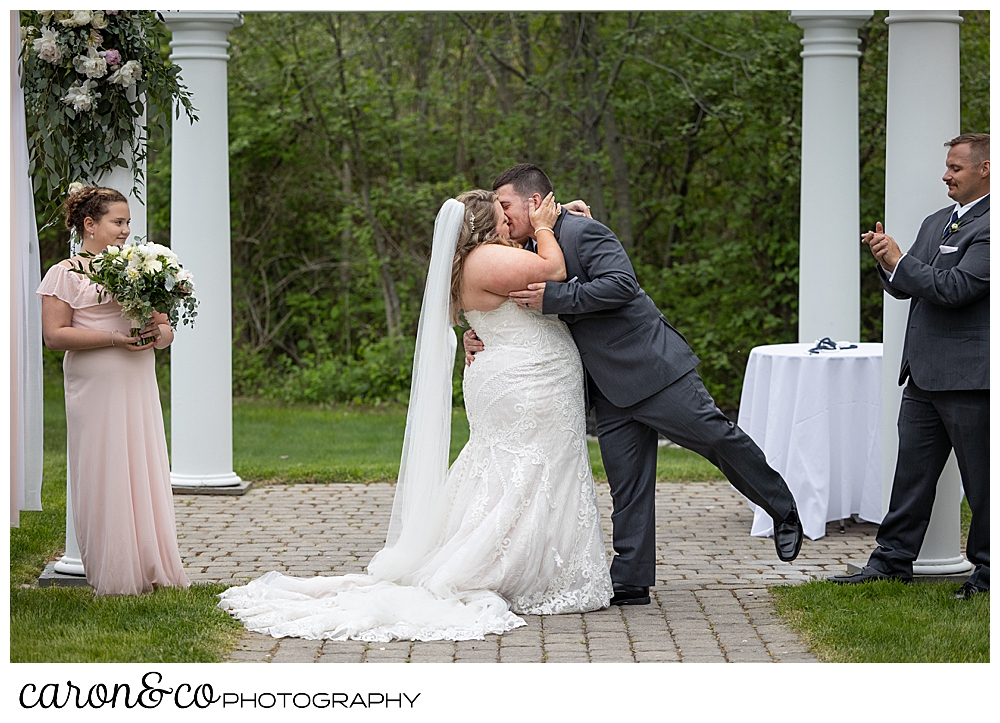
{"points": [[945, 249], [577, 278]]}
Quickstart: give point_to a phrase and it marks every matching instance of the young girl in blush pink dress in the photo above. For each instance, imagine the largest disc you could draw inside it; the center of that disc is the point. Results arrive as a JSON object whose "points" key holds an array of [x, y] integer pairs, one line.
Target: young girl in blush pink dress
{"points": [[119, 473]]}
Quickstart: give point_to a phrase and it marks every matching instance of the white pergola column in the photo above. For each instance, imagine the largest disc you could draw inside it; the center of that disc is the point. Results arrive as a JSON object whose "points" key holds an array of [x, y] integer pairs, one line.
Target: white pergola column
{"points": [[923, 112], [201, 396], [829, 260]]}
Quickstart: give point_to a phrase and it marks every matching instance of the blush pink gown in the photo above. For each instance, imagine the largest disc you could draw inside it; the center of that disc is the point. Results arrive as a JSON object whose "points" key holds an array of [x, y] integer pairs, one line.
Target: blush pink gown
{"points": [[119, 473]]}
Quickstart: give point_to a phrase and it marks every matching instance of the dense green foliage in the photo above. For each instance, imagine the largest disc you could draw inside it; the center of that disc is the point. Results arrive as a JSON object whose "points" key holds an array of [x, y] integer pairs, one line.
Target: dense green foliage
{"points": [[681, 129]]}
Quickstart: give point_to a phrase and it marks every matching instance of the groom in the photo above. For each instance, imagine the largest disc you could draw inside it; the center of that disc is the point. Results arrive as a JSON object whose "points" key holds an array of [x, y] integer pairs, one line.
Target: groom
{"points": [[641, 379]]}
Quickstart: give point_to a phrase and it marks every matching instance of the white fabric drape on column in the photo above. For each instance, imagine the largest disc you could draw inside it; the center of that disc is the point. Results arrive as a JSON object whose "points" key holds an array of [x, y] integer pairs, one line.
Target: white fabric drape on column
{"points": [[25, 310]]}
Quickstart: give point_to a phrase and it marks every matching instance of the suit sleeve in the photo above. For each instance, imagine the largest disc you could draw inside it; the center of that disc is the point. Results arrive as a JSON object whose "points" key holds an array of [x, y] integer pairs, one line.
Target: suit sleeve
{"points": [[612, 279], [889, 288], [964, 283]]}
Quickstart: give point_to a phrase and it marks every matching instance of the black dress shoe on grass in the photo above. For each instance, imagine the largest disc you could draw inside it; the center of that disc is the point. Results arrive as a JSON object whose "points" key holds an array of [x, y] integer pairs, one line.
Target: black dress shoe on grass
{"points": [[630, 595], [866, 574], [968, 591], [788, 536]]}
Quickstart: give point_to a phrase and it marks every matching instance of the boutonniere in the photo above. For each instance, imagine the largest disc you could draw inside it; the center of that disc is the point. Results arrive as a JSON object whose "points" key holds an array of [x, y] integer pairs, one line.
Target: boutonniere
{"points": [[953, 227]]}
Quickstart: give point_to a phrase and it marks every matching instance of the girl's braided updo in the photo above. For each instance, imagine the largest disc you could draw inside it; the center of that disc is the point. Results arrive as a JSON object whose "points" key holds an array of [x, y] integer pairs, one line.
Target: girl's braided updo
{"points": [[89, 201]]}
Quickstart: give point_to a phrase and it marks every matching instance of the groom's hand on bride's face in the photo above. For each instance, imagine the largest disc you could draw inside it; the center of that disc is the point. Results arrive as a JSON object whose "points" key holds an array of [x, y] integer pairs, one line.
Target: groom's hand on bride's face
{"points": [[472, 345]]}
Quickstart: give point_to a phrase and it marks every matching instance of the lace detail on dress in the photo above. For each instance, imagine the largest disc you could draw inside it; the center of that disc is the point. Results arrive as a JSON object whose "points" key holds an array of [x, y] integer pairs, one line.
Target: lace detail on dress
{"points": [[523, 531]]}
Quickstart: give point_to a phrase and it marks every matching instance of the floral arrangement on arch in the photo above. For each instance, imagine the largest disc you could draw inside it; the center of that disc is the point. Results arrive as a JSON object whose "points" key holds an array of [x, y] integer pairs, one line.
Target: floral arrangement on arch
{"points": [[88, 75]]}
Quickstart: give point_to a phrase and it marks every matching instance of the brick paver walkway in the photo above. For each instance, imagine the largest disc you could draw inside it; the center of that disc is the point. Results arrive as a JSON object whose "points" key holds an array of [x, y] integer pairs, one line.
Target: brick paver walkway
{"points": [[711, 602]]}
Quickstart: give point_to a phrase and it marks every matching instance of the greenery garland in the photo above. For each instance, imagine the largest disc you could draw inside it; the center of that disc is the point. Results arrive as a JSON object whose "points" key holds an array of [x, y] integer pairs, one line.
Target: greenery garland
{"points": [[88, 75]]}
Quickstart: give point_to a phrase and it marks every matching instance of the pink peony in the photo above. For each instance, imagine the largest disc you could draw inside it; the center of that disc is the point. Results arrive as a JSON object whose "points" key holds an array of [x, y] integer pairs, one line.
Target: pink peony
{"points": [[113, 57]]}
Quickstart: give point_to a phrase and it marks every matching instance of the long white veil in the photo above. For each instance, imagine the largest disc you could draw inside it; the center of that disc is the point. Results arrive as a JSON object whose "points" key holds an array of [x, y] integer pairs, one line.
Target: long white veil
{"points": [[419, 507]]}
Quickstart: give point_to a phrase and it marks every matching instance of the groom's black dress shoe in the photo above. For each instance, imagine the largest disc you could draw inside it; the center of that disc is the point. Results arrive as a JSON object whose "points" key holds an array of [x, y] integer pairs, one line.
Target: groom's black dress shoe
{"points": [[866, 574], [630, 595], [788, 536], [967, 591]]}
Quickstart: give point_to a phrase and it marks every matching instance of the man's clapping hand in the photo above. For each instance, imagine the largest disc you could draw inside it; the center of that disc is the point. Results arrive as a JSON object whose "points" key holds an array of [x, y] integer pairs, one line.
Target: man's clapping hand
{"points": [[884, 248]]}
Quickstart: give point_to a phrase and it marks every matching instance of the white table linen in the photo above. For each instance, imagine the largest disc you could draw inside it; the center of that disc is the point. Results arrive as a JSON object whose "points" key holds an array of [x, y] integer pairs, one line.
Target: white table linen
{"points": [[818, 419]]}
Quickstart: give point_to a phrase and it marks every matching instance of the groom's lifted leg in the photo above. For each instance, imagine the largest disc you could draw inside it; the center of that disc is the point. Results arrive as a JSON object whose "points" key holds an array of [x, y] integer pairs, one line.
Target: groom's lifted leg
{"points": [[686, 414]]}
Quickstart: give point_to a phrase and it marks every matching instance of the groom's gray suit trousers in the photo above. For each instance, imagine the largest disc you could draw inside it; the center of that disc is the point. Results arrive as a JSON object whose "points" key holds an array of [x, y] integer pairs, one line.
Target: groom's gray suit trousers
{"points": [[685, 413]]}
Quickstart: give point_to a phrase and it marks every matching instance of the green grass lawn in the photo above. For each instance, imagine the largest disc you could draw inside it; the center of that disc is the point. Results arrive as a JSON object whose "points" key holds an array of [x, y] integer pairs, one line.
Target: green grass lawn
{"points": [[888, 622], [308, 443]]}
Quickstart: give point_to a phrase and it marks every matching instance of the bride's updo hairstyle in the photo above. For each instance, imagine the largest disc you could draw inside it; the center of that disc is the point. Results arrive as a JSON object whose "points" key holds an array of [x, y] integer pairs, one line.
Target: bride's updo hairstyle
{"points": [[89, 201], [478, 227]]}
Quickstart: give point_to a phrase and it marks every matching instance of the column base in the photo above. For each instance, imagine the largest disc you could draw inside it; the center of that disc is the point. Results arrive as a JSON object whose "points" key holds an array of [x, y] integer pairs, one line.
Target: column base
{"points": [[950, 566], [70, 566], [51, 578], [230, 479]]}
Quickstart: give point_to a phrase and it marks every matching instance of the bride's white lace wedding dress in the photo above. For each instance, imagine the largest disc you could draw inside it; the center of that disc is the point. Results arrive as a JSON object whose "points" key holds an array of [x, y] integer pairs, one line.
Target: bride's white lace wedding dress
{"points": [[519, 529]]}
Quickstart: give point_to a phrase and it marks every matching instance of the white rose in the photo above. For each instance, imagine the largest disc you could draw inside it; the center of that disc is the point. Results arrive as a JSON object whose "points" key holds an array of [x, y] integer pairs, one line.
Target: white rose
{"points": [[47, 46], [99, 20], [152, 265], [75, 18], [127, 75], [74, 187], [112, 250], [165, 252], [92, 64], [81, 96]]}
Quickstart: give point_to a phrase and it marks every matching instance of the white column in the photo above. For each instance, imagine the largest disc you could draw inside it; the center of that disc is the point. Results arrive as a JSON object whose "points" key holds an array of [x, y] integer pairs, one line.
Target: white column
{"points": [[922, 113], [201, 395], [829, 270]]}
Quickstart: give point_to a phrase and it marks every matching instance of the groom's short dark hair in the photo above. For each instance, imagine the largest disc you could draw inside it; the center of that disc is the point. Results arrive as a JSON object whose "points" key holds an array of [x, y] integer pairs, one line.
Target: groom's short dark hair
{"points": [[526, 178]]}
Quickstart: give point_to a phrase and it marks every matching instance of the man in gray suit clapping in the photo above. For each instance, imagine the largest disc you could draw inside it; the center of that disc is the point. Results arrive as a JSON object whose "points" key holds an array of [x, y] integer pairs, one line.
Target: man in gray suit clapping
{"points": [[946, 357]]}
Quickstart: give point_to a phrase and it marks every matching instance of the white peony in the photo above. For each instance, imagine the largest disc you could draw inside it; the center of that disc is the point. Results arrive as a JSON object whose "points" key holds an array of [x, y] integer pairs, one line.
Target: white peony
{"points": [[164, 251], [127, 75], [74, 18], [184, 275], [152, 265], [81, 96], [99, 20], [92, 64], [47, 46]]}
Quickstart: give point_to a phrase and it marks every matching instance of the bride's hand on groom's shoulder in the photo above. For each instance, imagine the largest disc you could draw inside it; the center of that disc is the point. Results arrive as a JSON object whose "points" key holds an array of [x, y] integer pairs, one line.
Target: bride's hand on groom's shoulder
{"points": [[578, 208]]}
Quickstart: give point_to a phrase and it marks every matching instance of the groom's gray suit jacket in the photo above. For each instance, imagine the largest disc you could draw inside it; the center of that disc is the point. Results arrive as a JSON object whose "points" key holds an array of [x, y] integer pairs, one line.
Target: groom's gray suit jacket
{"points": [[627, 346], [947, 346]]}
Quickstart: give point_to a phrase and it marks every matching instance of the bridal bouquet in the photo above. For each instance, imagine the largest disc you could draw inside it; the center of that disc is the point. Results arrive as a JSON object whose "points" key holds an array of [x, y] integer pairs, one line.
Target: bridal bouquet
{"points": [[143, 278]]}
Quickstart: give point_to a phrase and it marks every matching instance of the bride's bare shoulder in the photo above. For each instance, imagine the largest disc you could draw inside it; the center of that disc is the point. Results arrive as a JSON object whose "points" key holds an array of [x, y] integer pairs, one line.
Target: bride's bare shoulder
{"points": [[488, 255]]}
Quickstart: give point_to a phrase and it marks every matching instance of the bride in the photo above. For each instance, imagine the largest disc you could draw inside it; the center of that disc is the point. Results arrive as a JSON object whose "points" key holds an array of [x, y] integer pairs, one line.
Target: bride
{"points": [[513, 526]]}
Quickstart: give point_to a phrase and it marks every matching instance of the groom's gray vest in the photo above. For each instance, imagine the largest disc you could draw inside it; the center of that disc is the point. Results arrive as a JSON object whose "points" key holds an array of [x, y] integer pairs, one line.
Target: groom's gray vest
{"points": [[627, 347]]}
